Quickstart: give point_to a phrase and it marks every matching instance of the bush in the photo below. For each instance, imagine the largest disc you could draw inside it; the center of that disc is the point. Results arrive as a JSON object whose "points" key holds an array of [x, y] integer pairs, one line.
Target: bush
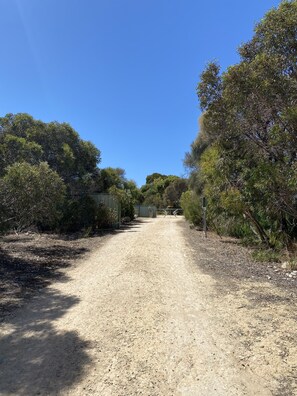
{"points": [[84, 213], [30, 195], [267, 255], [191, 205], [234, 226], [128, 210], [78, 214], [105, 217]]}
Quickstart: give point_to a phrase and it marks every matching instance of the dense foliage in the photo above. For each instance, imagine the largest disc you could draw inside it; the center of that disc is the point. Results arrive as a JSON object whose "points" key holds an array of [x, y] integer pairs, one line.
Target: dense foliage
{"points": [[244, 159], [24, 139], [115, 182], [162, 190], [30, 194], [47, 173]]}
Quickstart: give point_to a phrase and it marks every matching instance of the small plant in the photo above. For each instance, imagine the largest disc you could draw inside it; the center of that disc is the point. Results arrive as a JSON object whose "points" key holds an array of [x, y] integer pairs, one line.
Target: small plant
{"points": [[87, 232], [267, 255], [293, 265]]}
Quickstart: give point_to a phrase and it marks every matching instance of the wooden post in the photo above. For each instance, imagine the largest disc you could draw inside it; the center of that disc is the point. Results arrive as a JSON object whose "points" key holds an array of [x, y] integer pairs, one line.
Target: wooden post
{"points": [[204, 205]]}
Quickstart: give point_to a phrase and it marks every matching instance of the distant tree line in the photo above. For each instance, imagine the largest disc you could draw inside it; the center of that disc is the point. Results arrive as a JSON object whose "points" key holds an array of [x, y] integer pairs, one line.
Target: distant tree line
{"points": [[48, 175], [162, 190], [244, 159]]}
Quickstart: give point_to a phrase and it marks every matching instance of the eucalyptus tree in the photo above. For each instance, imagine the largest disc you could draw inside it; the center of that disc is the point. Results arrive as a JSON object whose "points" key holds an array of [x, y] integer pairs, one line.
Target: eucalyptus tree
{"points": [[245, 158]]}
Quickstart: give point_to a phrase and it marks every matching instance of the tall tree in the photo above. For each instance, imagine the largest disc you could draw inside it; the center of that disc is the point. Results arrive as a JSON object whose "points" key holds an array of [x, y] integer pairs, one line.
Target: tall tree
{"points": [[249, 130], [24, 139]]}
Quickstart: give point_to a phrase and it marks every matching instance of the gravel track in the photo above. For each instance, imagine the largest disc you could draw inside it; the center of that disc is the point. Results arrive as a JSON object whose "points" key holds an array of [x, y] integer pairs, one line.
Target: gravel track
{"points": [[132, 319]]}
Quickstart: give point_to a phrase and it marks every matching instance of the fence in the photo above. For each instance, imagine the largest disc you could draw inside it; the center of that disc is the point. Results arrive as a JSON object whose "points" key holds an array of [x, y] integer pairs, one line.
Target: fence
{"points": [[170, 211], [145, 211], [110, 202]]}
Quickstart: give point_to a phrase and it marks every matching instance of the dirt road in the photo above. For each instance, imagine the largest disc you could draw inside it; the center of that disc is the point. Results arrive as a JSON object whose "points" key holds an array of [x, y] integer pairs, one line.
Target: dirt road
{"points": [[132, 319]]}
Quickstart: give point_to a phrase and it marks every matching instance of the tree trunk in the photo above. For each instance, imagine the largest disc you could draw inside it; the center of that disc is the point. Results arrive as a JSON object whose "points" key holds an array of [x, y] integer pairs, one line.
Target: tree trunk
{"points": [[260, 230]]}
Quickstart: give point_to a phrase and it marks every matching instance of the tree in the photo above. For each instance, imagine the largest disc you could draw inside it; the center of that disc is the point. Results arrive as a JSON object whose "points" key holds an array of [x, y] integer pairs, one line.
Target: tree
{"points": [[24, 139], [110, 177], [15, 149], [245, 158], [154, 189], [151, 178], [114, 181], [126, 200], [31, 194], [173, 192]]}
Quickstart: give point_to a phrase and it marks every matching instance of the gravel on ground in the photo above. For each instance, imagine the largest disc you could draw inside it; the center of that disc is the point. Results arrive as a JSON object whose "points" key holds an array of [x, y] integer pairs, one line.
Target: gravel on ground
{"points": [[155, 309]]}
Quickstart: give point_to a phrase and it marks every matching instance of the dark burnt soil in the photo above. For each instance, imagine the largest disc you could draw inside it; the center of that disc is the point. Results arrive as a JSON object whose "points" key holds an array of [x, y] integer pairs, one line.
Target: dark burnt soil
{"points": [[30, 261], [231, 263]]}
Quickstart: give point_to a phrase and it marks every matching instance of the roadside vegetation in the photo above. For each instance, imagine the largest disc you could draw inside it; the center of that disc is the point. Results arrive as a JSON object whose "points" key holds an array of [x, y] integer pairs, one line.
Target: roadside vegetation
{"points": [[47, 176], [244, 159], [163, 190]]}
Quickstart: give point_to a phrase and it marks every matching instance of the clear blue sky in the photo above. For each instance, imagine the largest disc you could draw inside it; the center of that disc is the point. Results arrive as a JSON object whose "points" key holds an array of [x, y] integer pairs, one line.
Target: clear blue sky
{"points": [[123, 73]]}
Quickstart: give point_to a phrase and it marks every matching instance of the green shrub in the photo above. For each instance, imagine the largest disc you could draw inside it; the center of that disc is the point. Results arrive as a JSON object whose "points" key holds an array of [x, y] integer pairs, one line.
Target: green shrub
{"points": [[234, 226], [85, 214], [105, 217], [191, 205], [79, 214], [267, 255], [30, 195]]}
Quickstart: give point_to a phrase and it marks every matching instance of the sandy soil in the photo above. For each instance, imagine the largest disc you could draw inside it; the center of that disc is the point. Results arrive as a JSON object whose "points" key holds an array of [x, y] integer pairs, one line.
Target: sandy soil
{"points": [[255, 304], [144, 315]]}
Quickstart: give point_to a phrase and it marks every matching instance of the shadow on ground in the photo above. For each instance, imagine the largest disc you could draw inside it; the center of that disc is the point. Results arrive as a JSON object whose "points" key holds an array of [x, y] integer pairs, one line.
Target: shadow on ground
{"points": [[230, 264], [134, 226], [30, 270], [35, 358]]}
